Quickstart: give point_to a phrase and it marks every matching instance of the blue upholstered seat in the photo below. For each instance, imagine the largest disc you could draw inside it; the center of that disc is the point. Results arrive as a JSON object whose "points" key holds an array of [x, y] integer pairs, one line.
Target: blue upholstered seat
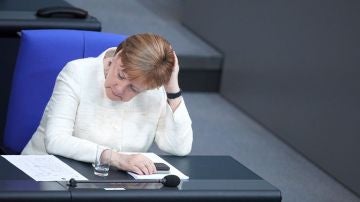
{"points": [[42, 55]]}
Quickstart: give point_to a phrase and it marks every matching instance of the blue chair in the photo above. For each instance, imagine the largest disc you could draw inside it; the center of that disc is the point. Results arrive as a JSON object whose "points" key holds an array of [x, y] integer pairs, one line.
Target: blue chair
{"points": [[42, 55]]}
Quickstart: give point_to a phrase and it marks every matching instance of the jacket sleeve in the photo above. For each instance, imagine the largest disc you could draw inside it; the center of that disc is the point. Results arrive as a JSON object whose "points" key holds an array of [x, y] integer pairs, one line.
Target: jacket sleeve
{"points": [[174, 131], [60, 120]]}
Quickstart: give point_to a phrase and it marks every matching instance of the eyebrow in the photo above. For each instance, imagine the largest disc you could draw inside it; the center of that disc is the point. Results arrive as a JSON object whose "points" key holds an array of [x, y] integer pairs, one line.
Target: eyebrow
{"points": [[119, 71], [125, 76], [119, 75]]}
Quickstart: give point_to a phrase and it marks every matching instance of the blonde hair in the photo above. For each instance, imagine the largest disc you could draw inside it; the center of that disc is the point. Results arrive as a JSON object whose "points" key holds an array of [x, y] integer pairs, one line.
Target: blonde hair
{"points": [[148, 57]]}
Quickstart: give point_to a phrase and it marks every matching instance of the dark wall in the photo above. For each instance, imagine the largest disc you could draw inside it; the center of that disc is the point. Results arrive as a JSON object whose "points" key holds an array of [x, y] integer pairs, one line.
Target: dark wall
{"points": [[294, 66]]}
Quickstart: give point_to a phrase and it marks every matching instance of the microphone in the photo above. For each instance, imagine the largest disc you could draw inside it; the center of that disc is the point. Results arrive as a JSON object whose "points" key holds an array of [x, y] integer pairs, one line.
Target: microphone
{"points": [[167, 181]]}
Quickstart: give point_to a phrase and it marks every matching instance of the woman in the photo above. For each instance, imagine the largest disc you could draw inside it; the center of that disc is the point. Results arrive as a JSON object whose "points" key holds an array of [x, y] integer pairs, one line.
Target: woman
{"points": [[124, 99]]}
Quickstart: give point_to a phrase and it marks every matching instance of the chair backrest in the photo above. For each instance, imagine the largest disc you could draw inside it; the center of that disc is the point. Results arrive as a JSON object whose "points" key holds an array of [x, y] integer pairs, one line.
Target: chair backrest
{"points": [[42, 55]]}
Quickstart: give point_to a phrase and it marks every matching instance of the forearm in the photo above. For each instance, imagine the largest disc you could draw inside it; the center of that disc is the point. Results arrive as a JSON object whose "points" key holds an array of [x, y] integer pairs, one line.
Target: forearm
{"points": [[176, 143], [60, 116], [174, 103], [71, 147], [174, 133], [173, 87]]}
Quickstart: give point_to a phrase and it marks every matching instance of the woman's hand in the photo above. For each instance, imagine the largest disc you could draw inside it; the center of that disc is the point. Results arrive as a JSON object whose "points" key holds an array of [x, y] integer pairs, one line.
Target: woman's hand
{"points": [[173, 85], [136, 163]]}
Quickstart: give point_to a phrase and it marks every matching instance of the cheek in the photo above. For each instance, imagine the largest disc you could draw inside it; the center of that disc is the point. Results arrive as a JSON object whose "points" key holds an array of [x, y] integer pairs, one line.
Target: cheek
{"points": [[109, 80], [106, 83]]}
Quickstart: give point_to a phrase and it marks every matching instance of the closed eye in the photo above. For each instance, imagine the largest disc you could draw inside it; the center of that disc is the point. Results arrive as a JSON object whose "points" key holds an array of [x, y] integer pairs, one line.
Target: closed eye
{"points": [[133, 89], [121, 77]]}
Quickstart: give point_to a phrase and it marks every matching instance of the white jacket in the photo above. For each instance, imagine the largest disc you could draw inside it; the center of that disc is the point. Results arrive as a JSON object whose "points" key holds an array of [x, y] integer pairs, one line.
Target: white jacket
{"points": [[79, 116]]}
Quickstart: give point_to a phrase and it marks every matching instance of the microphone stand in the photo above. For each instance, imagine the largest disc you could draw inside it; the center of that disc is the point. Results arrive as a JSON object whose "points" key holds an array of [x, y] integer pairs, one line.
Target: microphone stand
{"points": [[168, 181]]}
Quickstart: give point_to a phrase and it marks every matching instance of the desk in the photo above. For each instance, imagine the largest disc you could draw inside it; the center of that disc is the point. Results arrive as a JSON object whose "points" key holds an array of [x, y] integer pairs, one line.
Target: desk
{"points": [[212, 178]]}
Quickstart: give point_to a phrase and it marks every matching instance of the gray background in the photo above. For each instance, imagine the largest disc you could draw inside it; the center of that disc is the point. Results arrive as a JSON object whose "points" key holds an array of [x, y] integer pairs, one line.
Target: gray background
{"points": [[293, 66]]}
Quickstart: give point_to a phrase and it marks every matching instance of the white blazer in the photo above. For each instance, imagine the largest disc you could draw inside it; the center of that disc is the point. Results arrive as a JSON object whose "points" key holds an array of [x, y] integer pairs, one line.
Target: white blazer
{"points": [[79, 116]]}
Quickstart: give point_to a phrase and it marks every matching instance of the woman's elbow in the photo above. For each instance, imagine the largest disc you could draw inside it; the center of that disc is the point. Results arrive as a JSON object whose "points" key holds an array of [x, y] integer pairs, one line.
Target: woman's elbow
{"points": [[50, 145], [183, 150]]}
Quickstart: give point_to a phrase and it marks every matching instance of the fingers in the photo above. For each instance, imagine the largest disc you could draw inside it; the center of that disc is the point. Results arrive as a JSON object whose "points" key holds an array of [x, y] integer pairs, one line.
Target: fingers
{"points": [[175, 58], [141, 165], [136, 163], [176, 62], [153, 168], [136, 170], [146, 168]]}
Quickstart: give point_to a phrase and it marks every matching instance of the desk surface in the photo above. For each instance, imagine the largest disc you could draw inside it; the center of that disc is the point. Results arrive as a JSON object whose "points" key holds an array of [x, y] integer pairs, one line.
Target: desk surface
{"points": [[212, 178]]}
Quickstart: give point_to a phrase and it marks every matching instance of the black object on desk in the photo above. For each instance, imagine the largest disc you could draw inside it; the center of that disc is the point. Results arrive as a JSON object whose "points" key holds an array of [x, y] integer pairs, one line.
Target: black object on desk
{"points": [[229, 182], [17, 15]]}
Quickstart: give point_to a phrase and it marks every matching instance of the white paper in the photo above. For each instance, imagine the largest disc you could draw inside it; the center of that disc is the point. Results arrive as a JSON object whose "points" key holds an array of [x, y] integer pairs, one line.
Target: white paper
{"points": [[115, 189], [158, 159], [44, 167]]}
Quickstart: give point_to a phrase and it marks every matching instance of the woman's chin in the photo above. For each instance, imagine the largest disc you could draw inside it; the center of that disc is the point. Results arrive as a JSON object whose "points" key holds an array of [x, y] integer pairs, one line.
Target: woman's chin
{"points": [[113, 97]]}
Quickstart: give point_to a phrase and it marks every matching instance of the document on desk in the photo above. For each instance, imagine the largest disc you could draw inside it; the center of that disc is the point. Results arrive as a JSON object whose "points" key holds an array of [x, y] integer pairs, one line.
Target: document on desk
{"points": [[158, 159], [44, 167]]}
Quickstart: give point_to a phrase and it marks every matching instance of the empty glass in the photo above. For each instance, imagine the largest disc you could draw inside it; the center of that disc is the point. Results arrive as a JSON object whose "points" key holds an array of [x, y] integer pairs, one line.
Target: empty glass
{"points": [[102, 163]]}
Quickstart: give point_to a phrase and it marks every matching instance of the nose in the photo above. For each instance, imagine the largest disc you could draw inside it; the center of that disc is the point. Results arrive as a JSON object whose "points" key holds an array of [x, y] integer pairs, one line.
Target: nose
{"points": [[120, 88]]}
